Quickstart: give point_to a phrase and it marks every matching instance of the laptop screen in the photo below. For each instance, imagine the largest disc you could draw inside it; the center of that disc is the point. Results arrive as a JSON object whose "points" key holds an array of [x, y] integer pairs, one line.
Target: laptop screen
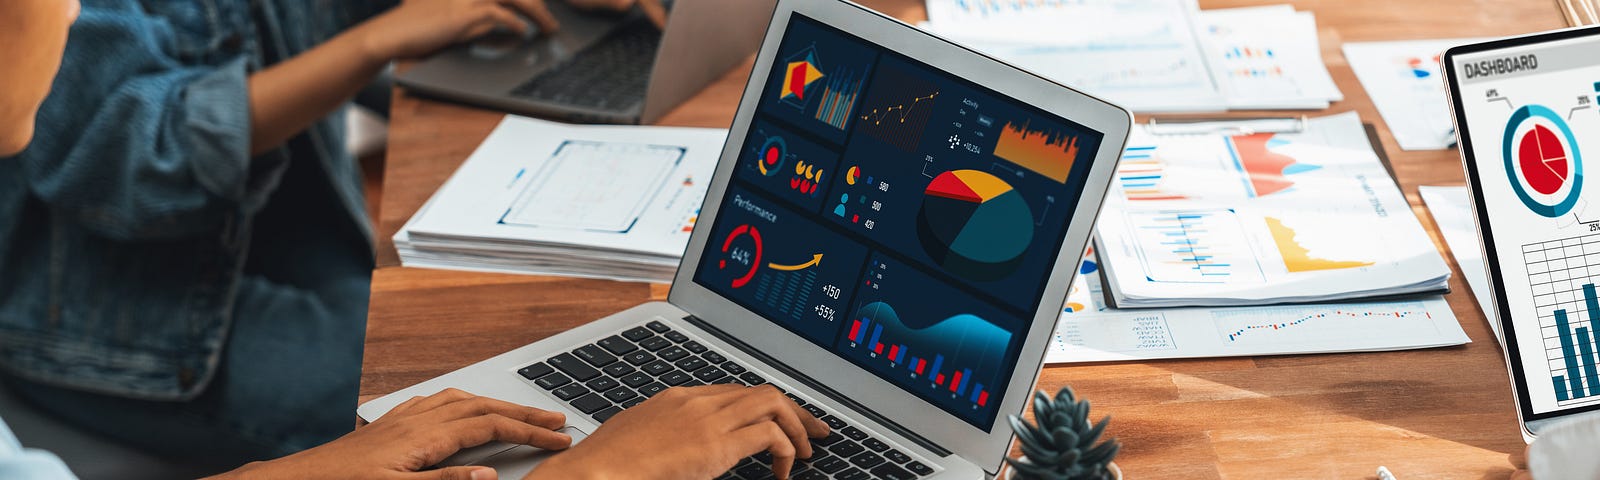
{"points": [[898, 216], [1530, 117]]}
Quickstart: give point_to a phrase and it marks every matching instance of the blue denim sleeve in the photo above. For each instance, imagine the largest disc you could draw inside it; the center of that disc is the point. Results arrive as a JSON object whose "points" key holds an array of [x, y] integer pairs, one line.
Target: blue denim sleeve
{"points": [[17, 463], [138, 144]]}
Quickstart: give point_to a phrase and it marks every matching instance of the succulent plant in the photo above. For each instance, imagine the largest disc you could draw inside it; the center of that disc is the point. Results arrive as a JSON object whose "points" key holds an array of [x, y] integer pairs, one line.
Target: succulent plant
{"points": [[1061, 443]]}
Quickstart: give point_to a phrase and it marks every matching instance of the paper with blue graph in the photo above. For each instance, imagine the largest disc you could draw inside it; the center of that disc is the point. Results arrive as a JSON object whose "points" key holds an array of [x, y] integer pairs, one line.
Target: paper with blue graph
{"points": [[1088, 331], [1261, 218]]}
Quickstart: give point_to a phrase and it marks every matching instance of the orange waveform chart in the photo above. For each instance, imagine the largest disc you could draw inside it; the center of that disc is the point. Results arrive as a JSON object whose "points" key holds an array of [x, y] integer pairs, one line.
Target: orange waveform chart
{"points": [[1047, 153]]}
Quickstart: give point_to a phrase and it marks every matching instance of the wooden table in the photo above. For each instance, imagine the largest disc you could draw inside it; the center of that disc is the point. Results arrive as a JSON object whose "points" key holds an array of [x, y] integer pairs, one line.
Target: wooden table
{"points": [[1438, 413]]}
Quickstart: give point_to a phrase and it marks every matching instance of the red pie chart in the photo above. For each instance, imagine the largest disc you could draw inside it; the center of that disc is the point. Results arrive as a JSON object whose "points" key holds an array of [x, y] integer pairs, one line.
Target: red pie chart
{"points": [[1543, 159]]}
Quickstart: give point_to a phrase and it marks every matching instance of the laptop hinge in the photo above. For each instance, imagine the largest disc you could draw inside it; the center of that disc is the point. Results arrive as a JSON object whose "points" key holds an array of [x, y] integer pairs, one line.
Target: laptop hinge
{"points": [[832, 395]]}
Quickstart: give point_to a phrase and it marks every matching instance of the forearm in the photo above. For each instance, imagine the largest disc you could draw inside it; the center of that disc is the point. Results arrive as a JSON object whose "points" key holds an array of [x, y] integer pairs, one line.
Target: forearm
{"points": [[287, 98]]}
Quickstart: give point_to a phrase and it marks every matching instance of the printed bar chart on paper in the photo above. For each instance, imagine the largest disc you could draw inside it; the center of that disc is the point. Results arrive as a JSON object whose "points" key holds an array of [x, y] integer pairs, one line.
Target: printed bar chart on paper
{"points": [[1261, 218]]}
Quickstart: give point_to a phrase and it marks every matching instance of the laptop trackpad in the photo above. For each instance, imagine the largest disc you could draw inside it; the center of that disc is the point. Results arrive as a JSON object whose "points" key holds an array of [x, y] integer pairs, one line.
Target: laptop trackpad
{"points": [[510, 460]]}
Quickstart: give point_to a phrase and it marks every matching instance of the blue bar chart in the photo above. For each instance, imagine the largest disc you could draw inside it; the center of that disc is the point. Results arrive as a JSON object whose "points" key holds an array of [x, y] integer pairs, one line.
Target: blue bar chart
{"points": [[1567, 303]]}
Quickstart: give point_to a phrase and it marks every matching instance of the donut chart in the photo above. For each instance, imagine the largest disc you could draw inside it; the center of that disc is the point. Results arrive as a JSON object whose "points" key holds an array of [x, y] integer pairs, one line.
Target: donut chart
{"points": [[1542, 160]]}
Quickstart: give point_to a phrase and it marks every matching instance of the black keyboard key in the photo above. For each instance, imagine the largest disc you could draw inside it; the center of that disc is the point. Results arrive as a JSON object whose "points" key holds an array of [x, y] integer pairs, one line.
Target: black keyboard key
{"points": [[811, 475], [676, 336], [602, 384], [852, 474], [655, 343], [639, 358], [619, 395], [817, 412], [636, 400], [710, 374], [690, 364], [692, 383], [672, 354], [551, 381], [832, 438], [637, 333], [845, 449], [854, 433], [595, 355], [657, 326], [695, 347], [675, 378], [918, 468], [831, 465], [617, 345], [569, 391], [636, 379], [573, 367], [892, 472], [590, 403], [713, 357], [652, 389], [730, 367], [753, 470], [603, 415], [764, 458], [867, 460], [618, 370], [896, 457], [533, 372], [796, 399], [750, 378], [725, 380], [871, 444], [657, 368], [834, 422]]}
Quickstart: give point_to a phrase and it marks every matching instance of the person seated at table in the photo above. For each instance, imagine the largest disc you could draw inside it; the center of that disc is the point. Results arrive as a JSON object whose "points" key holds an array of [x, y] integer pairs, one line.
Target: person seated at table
{"points": [[681, 433], [184, 250]]}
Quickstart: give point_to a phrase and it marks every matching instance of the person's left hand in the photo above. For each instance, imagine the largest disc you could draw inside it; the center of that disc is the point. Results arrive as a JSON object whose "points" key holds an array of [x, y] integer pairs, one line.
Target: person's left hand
{"points": [[417, 434], [1520, 462]]}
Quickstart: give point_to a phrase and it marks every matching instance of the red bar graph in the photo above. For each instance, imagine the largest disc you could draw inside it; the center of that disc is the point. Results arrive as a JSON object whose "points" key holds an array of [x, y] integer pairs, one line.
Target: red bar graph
{"points": [[954, 381], [855, 329], [878, 349], [939, 380], [921, 364], [983, 398], [893, 352]]}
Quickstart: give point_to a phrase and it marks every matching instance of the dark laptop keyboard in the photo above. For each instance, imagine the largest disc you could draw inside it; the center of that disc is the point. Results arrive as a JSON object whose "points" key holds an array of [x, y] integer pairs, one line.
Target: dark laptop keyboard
{"points": [[604, 378], [610, 75]]}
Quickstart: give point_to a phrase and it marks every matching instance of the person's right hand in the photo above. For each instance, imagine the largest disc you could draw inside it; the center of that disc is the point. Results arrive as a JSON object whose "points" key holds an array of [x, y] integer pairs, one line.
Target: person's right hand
{"points": [[419, 27], [691, 433]]}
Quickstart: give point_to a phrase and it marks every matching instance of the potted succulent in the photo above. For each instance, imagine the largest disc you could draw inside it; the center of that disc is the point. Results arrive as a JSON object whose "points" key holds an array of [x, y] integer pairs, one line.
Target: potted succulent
{"points": [[1061, 444]]}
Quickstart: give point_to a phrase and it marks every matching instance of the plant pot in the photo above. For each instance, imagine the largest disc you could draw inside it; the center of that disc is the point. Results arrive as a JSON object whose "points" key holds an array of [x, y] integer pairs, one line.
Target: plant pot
{"points": [[1009, 473]]}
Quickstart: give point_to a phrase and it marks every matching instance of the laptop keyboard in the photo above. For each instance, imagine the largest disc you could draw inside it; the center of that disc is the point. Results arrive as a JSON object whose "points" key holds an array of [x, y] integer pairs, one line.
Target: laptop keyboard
{"points": [[606, 377], [610, 75]]}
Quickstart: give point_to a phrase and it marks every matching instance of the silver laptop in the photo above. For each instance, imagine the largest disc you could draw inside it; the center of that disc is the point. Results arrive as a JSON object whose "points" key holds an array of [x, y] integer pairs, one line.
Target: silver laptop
{"points": [[599, 67], [1527, 109], [888, 238]]}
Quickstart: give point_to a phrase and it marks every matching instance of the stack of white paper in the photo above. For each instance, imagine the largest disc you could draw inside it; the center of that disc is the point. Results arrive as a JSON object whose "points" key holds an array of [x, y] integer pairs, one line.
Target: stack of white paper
{"points": [[1152, 55], [1088, 331], [1261, 218], [553, 199]]}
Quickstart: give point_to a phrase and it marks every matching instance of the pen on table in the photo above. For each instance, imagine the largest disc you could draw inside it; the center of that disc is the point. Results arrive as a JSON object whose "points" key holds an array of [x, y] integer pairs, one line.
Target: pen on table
{"points": [[1383, 473]]}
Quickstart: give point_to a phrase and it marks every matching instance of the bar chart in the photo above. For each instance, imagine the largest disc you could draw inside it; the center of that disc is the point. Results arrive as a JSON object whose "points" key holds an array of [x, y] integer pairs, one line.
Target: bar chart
{"points": [[966, 338], [1563, 284]]}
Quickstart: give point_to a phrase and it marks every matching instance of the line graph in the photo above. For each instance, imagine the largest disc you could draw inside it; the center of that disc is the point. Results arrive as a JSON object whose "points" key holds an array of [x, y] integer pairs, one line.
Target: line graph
{"points": [[1289, 325], [902, 104]]}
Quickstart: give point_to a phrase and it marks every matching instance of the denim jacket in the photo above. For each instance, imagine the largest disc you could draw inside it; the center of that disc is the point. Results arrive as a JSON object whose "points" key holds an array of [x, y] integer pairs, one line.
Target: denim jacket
{"points": [[124, 227]]}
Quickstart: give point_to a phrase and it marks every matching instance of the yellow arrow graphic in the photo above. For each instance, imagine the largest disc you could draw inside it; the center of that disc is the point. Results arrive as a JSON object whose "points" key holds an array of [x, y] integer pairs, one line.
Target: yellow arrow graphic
{"points": [[816, 259]]}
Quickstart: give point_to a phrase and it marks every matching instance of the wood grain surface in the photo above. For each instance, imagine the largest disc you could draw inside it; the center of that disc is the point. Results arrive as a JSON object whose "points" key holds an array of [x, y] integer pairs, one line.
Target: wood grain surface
{"points": [[1437, 413]]}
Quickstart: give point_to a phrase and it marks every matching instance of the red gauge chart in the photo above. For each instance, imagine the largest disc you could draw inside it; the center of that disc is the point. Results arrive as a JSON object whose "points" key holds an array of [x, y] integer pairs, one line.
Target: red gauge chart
{"points": [[1543, 159]]}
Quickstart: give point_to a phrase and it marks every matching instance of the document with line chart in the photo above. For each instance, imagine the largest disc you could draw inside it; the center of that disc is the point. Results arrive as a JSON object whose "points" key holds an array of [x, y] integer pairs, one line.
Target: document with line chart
{"points": [[1088, 331], [1262, 218]]}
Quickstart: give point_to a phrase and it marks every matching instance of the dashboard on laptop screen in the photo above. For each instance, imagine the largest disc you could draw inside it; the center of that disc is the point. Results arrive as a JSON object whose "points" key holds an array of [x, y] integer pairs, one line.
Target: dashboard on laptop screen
{"points": [[1530, 117], [905, 219]]}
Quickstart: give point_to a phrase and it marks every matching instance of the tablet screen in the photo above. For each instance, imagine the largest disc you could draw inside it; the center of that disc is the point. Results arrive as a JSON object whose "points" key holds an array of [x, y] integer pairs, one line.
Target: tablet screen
{"points": [[1530, 118]]}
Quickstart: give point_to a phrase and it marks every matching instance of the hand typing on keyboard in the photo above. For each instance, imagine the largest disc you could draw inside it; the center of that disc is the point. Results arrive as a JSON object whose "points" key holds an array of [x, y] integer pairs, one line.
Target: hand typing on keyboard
{"points": [[415, 435], [692, 433]]}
